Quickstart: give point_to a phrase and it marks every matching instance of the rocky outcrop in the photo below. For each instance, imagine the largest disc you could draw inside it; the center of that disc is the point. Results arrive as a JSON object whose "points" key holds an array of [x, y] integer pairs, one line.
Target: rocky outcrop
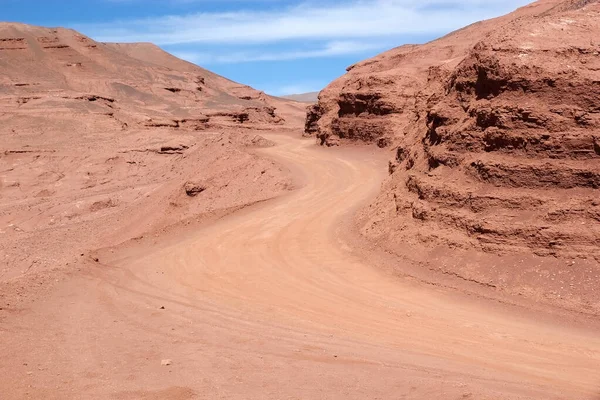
{"points": [[495, 131]]}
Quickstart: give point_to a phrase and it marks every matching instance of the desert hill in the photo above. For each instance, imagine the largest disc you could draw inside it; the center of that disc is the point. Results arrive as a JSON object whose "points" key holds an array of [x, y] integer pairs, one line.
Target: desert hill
{"points": [[495, 133], [100, 143], [71, 69]]}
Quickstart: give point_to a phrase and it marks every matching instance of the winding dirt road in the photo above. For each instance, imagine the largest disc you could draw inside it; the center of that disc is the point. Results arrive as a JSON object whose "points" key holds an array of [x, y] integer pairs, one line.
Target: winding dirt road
{"points": [[273, 303]]}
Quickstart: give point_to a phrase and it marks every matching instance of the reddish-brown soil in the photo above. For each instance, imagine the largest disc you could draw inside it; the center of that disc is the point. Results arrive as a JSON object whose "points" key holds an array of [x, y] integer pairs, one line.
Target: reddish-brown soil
{"points": [[168, 234], [495, 172], [101, 142], [278, 301]]}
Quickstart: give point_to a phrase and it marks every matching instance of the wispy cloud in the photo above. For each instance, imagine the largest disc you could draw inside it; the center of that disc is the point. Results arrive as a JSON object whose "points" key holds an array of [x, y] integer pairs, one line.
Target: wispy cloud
{"points": [[331, 33], [307, 21], [329, 49]]}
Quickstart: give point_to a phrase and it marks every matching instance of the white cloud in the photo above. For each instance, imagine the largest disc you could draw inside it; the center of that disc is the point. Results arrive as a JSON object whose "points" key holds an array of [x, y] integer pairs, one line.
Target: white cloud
{"points": [[356, 19], [330, 49]]}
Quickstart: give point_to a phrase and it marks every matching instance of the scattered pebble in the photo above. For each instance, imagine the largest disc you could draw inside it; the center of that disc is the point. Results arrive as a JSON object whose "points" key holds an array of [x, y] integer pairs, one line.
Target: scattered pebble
{"points": [[166, 362]]}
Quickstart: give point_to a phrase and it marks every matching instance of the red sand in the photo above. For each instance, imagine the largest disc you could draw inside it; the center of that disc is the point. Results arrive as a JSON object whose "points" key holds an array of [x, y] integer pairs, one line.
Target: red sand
{"points": [[167, 234]]}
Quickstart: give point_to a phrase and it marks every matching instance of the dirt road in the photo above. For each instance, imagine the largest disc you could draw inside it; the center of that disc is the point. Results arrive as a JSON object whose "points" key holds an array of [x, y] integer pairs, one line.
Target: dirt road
{"points": [[273, 303]]}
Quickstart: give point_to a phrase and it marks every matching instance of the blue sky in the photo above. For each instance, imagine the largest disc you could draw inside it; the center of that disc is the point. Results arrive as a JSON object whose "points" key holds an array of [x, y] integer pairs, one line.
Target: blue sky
{"points": [[279, 46]]}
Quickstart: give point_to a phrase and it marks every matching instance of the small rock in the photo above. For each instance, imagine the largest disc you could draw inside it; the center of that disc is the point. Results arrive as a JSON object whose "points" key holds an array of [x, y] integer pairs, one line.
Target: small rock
{"points": [[162, 308], [166, 362], [193, 189]]}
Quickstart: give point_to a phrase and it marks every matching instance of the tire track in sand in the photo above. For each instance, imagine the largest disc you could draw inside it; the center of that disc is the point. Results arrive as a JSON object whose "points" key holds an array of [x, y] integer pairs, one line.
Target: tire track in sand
{"points": [[271, 303]]}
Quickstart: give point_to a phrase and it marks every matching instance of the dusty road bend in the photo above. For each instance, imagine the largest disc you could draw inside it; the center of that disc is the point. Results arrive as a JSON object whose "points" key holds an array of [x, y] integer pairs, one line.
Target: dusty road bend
{"points": [[272, 303]]}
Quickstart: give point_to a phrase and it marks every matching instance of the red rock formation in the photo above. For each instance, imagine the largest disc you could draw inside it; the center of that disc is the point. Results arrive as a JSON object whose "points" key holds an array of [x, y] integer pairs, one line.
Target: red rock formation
{"points": [[495, 130]]}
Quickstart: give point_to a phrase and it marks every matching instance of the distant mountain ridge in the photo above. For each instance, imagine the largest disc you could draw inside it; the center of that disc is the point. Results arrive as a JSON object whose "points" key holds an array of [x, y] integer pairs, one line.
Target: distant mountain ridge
{"points": [[310, 97]]}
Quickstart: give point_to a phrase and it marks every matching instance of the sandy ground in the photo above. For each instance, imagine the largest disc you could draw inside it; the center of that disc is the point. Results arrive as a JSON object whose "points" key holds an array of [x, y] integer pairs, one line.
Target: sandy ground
{"points": [[275, 302], [101, 143]]}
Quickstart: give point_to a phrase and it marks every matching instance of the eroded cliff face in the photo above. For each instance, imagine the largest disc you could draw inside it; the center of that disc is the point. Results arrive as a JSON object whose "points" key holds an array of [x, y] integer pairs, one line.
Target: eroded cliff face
{"points": [[380, 98], [495, 133], [375, 101]]}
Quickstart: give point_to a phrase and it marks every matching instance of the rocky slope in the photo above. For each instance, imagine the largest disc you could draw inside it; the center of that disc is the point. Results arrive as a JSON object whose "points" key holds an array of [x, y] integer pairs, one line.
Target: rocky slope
{"points": [[101, 143], [134, 84], [495, 131]]}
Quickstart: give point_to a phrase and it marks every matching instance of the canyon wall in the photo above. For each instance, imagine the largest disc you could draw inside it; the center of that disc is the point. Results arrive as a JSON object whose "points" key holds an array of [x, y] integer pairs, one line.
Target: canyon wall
{"points": [[494, 132]]}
